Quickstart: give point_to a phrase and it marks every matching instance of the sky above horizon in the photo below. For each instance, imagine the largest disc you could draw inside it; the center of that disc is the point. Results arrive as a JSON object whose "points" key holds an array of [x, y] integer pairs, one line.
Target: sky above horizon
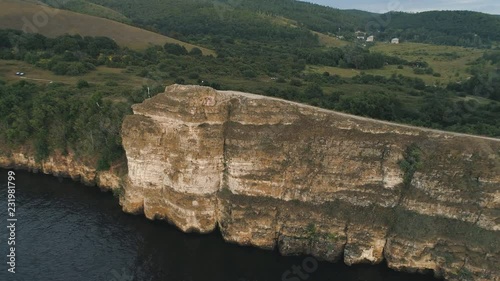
{"points": [[383, 6]]}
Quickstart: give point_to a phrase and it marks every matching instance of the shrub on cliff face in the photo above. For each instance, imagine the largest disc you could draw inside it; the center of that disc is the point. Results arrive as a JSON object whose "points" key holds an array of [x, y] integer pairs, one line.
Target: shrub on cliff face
{"points": [[312, 233], [465, 274], [410, 163], [103, 164], [225, 192], [118, 192]]}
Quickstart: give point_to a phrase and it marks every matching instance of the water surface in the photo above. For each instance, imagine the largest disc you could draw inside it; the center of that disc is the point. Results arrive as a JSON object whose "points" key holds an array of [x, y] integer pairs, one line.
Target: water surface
{"points": [[70, 232]]}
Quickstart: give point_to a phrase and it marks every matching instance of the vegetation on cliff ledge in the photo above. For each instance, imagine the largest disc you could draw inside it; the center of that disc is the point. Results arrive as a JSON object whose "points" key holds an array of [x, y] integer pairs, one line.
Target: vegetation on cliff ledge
{"points": [[410, 163]]}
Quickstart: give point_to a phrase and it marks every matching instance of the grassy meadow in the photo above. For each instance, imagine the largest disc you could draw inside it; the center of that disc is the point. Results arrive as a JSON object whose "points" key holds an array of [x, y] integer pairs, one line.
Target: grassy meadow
{"points": [[450, 62]]}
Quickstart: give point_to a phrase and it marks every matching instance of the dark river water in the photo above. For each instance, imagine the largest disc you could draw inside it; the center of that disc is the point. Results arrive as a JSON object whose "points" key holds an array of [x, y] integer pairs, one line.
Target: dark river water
{"points": [[69, 232]]}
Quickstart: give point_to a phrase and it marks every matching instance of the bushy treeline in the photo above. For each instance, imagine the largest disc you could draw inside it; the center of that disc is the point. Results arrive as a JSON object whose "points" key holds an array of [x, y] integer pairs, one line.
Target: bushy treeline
{"points": [[349, 57], [429, 106], [484, 80], [482, 84], [75, 55], [64, 55], [61, 118], [455, 28]]}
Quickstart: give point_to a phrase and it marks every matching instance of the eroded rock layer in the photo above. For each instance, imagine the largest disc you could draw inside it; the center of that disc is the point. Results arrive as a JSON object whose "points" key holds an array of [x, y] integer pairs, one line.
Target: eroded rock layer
{"points": [[272, 173], [63, 166]]}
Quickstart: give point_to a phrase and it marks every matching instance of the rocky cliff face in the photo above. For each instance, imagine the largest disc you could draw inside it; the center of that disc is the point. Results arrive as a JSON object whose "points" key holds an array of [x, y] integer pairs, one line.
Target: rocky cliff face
{"points": [[63, 166], [272, 173]]}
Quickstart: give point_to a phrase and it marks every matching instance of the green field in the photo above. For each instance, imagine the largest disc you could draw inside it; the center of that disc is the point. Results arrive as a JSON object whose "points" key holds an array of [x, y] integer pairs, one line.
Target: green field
{"points": [[452, 63], [330, 41], [101, 75]]}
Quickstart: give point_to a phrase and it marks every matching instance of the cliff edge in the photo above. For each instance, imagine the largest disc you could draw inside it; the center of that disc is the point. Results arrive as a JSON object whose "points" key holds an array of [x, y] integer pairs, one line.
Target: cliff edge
{"points": [[273, 173]]}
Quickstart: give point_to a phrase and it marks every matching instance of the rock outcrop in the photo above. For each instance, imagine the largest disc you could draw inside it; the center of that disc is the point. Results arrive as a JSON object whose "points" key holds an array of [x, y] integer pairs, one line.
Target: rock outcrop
{"points": [[63, 166], [272, 173]]}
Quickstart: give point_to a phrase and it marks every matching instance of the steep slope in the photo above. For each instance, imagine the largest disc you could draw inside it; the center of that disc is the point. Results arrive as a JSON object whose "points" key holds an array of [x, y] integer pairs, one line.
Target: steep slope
{"points": [[52, 22], [272, 173], [84, 7]]}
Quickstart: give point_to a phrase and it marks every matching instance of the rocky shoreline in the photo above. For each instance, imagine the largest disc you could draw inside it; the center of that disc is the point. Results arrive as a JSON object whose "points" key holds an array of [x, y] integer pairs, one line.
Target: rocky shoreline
{"points": [[63, 166]]}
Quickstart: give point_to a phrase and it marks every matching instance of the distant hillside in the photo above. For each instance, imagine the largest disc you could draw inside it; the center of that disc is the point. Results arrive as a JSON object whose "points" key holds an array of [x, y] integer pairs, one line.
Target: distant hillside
{"points": [[61, 22], [239, 19], [84, 7], [195, 16], [463, 28]]}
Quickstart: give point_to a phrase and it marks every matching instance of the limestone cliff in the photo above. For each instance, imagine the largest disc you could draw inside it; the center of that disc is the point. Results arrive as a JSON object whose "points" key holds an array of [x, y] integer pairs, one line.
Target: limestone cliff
{"points": [[63, 166], [272, 173]]}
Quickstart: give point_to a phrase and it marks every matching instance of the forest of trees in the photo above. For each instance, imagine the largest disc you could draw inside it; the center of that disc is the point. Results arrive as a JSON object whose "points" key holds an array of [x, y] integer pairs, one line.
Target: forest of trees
{"points": [[195, 19], [62, 118], [349, 57], [455, 28], [435, 107], [65, 55]]}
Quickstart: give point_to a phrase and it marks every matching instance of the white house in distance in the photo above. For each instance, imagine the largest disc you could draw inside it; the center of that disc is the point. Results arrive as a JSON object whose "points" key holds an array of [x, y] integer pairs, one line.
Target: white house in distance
{"points": [[395, 41], [360, 35], [370, 39]]}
